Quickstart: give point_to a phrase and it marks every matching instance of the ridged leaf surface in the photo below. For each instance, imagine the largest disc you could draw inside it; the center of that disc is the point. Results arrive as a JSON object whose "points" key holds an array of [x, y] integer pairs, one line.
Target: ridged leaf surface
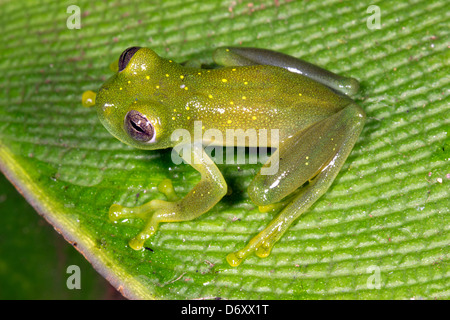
{"points": [[382, 230]]}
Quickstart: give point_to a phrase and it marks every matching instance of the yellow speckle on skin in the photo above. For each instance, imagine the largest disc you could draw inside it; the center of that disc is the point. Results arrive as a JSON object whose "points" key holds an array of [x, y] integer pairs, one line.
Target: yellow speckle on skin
{"points": [[203, 127], [199, 73], [300, 94], [120, 88], [173, 118], [157, 87], [170, 61], [147, 77], [210, 96], [245, 82], [174, 110], [185, 88], [254, 118], [167, 75], [224, 80], [244, 97], [233, 69], [229, 121], [231, 102], [187, 108], [181, 77], [188, 117], [129, 81]]}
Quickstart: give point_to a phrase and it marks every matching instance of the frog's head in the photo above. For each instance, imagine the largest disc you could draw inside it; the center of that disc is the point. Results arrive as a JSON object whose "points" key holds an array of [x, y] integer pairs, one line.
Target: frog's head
{"points": [[123, 106]]}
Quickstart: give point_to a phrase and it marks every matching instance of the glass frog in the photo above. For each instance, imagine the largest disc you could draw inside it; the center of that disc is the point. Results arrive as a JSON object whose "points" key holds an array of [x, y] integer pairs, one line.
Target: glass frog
{"points": [[150, 97]]}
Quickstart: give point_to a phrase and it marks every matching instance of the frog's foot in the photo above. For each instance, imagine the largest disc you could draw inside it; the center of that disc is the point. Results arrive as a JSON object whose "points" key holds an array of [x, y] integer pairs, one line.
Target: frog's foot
{"points": [[153, 212], [166, 188], [261, 245]]}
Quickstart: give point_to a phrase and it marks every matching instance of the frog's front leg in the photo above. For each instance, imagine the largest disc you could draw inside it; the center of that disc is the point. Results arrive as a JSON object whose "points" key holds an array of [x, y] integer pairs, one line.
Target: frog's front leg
{"points": [[315, 154], [211, 188], [237, 56]]}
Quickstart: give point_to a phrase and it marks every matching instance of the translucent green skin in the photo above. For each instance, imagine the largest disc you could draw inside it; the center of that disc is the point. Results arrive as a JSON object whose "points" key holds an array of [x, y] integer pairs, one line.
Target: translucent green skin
{"points": [[317, 128]]}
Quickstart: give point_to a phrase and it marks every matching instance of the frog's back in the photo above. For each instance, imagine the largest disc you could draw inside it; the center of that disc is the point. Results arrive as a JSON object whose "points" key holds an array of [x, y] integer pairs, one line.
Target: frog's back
{"points": [[260, 97]]}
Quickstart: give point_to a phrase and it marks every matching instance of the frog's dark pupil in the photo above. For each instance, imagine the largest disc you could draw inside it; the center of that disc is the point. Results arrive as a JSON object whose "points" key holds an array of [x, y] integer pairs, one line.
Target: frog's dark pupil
{"points": [[126, 56], [135, 126]]}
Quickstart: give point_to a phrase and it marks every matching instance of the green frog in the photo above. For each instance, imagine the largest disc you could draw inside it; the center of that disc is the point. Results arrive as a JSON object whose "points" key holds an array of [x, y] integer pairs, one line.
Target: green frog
{"points": [[315, 121]]}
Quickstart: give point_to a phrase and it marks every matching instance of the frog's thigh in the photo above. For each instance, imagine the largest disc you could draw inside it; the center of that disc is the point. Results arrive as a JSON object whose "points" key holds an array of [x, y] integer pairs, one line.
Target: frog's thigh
{"points": [[237, 56], [200, 199], [338, 134]]}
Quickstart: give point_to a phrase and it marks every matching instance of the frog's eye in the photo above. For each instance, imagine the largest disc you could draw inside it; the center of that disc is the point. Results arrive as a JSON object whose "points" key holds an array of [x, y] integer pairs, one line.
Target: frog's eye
{"points": [[139, 127], [126, 56]]}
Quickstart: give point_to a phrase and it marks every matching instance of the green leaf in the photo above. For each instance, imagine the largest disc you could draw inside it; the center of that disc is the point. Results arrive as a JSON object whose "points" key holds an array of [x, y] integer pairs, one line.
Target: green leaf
{"points": [[381, 231]]}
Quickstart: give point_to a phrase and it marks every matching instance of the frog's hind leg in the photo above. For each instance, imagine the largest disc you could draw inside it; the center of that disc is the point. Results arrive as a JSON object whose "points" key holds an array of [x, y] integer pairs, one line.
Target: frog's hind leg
{"points": [[315, 155], [236, 56]]}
